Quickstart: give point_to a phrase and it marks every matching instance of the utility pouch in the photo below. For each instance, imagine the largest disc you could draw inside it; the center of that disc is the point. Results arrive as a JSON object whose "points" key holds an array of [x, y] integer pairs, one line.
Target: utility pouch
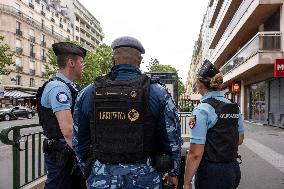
{"points": [[65, 158], [162, 163], [46, 146]]}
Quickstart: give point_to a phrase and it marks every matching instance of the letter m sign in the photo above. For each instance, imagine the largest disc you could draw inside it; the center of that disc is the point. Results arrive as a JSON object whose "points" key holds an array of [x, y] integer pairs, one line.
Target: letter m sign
{"points": [[279, 68]]}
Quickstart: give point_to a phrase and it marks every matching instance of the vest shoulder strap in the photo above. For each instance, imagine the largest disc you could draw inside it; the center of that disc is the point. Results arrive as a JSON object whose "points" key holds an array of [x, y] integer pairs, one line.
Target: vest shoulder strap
{"points": [[213, 102]]}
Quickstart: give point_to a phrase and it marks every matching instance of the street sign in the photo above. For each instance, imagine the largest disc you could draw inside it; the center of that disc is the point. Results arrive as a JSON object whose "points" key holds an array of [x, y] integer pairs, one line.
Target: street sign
{"points": [[170, 80], [279, 68]]}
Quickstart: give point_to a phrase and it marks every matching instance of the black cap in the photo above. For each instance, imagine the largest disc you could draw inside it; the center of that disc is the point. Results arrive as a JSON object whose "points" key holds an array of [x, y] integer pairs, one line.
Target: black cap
{"points": [[127, 41], [68, 48], [207, 70]]}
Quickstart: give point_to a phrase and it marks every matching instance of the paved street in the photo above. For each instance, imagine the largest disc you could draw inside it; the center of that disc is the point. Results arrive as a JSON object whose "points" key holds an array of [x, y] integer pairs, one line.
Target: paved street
{"points": [[262, 154]]}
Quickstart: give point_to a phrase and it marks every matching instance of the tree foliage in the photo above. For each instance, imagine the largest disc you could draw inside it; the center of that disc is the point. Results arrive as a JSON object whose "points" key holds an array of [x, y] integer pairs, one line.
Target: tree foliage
{"points": [[155, 66], [96, 63], [6, 57]]}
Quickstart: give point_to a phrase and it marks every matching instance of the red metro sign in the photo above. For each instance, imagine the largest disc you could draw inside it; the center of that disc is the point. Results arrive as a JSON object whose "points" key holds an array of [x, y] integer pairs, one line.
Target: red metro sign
{"points": [[279, 68]]}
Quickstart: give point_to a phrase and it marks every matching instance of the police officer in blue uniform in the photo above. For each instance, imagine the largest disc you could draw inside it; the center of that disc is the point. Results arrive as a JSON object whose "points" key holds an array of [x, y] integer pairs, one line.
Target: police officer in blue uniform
{"points": [[216, 131], [56, 99], [124, 124]]}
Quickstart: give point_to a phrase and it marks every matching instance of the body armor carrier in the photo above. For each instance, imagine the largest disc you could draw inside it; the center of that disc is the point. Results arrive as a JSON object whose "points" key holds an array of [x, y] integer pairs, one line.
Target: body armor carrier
{"points": [[222, 139], [47, 118], [123, 128]]}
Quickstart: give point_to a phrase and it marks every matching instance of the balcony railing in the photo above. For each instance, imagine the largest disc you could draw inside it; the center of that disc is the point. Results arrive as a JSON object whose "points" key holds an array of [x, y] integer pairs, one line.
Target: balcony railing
{"points": [[43, 44], [19, 32], [52, 20], [29, 20], [19, 68], [32, 54], [32, 39], [37, 1], [235, 20], [32, 72], [31, 5], [19, 50], [261, 42], [60, 25]]}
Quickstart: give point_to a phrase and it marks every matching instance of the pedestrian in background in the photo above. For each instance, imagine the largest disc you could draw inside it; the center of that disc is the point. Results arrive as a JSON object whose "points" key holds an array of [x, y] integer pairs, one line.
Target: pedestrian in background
{"points": [[56, 99], [124, 123], [216, 131]]}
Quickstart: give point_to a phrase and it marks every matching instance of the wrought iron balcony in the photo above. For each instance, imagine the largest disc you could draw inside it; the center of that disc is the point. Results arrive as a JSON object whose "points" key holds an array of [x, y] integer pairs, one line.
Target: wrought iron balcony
{"points": [[32, 72], [31, 5], [19, 50], [43, 44], [19, 32], [32, 54], [32, 39], [19, 68]]}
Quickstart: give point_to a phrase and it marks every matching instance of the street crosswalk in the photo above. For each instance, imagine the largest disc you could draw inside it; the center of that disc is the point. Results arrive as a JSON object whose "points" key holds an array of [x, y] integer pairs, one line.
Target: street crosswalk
{"points": [[274, 158]]}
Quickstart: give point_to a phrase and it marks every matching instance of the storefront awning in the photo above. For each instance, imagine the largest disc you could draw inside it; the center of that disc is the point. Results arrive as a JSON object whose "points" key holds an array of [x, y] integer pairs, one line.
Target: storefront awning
{"points": [[17, 94]]}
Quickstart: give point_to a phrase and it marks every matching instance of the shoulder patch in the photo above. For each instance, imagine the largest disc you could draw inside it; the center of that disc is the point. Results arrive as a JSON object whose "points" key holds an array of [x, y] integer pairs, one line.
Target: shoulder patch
{"points": [[192, 121], [62, 97]]}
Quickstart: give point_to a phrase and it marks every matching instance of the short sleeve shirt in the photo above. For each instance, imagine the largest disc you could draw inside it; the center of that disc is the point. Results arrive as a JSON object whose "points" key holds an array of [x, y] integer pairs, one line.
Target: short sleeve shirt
{"points": [[206, 118], [56, 95]]}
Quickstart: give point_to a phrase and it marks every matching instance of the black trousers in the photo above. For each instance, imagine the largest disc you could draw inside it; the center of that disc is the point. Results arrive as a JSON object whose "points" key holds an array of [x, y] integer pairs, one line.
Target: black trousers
{"points": [[211, 175]]}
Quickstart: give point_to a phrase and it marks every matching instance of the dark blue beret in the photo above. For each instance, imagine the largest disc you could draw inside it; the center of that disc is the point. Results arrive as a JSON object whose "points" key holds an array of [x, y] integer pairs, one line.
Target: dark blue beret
{"points": [[127, 41], [68, 48], [207, 70]]}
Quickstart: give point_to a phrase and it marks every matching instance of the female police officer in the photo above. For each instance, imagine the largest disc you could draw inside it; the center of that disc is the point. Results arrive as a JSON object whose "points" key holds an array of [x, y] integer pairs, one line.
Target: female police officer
{"points": [[217, 130]]}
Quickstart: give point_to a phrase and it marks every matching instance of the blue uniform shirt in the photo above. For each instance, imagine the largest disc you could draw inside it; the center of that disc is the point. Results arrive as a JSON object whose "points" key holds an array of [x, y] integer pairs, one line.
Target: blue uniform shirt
{"points": [[162, 107], [207, 118], [56, 94]]}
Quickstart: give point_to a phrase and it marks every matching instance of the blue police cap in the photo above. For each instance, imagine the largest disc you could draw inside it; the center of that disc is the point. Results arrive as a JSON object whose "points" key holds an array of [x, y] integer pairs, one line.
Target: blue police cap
{"points": [[127, 41], [207, 70], [68, 48]]}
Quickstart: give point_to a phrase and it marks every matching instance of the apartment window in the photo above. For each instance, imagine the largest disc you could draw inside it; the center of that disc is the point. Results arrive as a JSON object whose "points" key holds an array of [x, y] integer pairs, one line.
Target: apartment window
{"points": [[77, 28], [32, 65], [43, 43], [18, 43], [42, 7], [52, 29], [18, 80], [32, 35], [32, 82], [77, 19], [43, 58], [77, 38], [30, 1], [18, 61], [18, 25], [32, 50], [52, 14], [42, 23]]}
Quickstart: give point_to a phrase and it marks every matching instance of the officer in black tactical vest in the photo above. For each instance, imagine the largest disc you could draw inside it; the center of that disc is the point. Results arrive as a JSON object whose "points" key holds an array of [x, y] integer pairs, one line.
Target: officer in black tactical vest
{"points": [[56, 99], [126, 126], [216, 131]]}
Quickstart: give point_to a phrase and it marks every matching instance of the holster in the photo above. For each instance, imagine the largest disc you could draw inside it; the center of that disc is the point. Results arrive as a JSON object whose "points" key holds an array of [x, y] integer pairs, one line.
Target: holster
{"points": [[162, 163]]}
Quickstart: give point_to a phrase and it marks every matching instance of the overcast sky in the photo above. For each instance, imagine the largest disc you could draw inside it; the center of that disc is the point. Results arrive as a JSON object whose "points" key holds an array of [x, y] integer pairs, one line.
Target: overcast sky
{"points": [[166, 28]]}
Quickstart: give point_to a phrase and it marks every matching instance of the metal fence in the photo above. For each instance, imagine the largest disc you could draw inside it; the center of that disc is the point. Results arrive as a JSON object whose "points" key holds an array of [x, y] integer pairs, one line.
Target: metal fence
{"points": [[26, 147], [184, 121]]}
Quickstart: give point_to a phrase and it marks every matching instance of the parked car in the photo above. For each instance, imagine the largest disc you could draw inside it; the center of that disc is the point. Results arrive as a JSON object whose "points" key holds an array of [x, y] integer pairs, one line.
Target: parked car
{"points": [[10, 113]]}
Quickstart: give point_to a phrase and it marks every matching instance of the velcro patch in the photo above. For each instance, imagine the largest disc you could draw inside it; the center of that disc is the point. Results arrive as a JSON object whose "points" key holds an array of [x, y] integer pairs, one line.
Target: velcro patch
{"points": [[62, 97], [192, 121]]}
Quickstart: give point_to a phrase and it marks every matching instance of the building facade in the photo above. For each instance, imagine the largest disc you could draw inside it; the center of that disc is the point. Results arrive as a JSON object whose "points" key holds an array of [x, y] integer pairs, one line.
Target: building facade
{"points": [[30, 27], [245, 41]]}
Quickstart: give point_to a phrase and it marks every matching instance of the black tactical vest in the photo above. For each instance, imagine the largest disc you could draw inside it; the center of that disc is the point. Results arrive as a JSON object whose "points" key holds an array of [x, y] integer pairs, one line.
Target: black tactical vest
{"points": [[47, 118], [124, 130], [222, 139]]}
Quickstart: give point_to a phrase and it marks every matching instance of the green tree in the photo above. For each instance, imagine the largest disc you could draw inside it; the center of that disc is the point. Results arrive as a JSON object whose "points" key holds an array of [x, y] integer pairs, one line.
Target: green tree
{"points": [[155, 66], [6, 57], [96, 63]]}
